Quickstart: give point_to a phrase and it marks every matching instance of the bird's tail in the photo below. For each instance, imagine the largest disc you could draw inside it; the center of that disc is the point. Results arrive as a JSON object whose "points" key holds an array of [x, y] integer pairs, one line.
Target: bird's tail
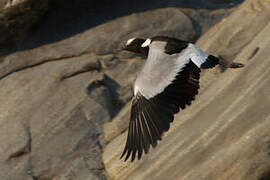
{"points": [[212, 61]]}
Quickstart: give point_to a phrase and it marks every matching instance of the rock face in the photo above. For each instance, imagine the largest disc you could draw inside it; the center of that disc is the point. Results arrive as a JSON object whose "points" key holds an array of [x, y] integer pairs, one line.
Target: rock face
{"points": [[47, 116], [58, 19], [65, 90], [224, 134], [56, 95]]}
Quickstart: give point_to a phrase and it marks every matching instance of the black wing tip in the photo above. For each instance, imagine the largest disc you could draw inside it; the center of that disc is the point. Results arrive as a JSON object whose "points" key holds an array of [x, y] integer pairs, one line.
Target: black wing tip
{"points": [[149, 120], [127, 153], [127, 156], [132, 154], [123, 153]]}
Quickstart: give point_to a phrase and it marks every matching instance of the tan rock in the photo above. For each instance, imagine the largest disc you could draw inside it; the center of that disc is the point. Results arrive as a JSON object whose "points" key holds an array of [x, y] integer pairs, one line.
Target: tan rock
{"points": [[49, 116], [117, 125], [56, 92]]}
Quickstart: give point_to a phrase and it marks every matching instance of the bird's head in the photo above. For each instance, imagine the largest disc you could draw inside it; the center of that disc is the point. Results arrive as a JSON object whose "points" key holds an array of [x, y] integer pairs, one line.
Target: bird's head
{"points": [[135, 45]]}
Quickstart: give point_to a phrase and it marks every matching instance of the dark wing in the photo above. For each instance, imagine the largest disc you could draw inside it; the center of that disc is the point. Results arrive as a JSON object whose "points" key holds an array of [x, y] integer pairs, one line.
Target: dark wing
{"points": [[173, 45], [151, 117]]}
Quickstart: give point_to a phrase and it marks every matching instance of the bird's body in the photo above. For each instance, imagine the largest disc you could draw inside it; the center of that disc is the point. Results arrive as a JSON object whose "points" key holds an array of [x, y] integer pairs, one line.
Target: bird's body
{"points": [[169, 81], [161, 68]]}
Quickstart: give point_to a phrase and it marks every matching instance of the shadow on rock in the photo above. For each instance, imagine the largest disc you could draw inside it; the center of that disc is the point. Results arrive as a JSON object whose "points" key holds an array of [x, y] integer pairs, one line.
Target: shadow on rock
{"points": [[67, 19], [105, 93], [265, 176]]}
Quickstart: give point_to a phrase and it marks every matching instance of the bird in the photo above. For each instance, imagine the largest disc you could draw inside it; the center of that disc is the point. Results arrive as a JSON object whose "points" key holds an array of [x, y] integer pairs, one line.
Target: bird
{"points": [[168, 82]]}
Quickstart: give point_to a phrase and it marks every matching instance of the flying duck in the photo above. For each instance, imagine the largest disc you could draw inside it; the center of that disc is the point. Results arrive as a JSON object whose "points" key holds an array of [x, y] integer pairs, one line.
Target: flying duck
{"points": [[168, 82]]}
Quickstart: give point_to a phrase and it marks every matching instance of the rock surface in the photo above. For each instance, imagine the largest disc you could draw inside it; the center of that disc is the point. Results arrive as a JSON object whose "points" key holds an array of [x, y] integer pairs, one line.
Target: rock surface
{"points": [[68, 77], [58, 19], [225, 133], [47, 119]]}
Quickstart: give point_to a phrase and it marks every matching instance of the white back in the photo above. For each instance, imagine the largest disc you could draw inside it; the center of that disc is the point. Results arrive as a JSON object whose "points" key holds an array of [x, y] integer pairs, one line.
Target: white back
{"points": [[196, 54], [161, 69]]}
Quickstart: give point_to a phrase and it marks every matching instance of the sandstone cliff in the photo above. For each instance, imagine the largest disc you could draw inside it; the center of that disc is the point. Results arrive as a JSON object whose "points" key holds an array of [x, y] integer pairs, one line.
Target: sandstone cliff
{"points": [[65, 90]]}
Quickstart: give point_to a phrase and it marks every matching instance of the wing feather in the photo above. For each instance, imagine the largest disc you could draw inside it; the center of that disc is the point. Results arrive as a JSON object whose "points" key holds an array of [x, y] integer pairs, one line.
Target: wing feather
{"points": [[161, 94], [150, 118]]}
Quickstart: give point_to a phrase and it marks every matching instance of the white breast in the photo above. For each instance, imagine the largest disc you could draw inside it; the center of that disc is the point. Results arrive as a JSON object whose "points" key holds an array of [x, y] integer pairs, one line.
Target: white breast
{"points": [[159, 71]]}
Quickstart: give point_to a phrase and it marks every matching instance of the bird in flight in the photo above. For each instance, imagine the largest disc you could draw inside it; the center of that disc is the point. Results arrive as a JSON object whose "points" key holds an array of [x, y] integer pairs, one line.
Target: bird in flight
{"points": [[168, 82]]}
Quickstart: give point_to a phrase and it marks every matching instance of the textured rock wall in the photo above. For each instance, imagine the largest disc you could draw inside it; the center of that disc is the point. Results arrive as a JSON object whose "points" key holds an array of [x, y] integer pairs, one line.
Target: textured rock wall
{"points": [[67, 77]]}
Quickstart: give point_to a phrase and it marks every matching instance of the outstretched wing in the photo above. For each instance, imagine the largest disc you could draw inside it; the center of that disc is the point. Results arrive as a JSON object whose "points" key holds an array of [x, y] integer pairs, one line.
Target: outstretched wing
{"points": [[167, 82], [150, 118]]}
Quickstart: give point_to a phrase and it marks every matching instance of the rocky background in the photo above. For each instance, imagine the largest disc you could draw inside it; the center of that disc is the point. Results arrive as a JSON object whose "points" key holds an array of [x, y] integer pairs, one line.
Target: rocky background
{"points": [[66, 86]]}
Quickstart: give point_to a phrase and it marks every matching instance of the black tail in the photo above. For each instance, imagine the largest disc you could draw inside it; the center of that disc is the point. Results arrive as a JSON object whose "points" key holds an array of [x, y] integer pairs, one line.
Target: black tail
{"points": [[210, 62]]}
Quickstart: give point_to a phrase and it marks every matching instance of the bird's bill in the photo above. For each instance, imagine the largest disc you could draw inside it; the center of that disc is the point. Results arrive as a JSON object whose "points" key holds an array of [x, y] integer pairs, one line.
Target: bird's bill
{"points": [[125, 48]]}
